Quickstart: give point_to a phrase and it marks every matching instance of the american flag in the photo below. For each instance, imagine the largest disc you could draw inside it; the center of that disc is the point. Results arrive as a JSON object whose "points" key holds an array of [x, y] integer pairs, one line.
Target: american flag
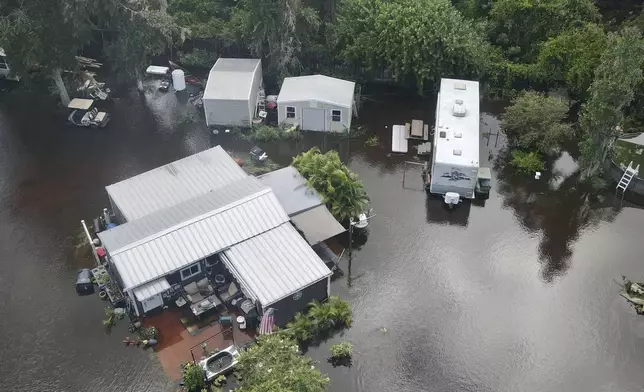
{"points": [[268, 322]]}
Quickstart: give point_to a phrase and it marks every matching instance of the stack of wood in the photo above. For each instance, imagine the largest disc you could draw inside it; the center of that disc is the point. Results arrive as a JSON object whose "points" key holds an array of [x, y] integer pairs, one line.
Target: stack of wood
{"points": [[88, 62]]}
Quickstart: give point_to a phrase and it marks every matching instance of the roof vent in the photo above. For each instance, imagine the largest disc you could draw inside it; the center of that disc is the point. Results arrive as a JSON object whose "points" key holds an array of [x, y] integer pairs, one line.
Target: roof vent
{"points": [[457, 152], [460, 86], [458, 135], [442, 134], [459, 108]]}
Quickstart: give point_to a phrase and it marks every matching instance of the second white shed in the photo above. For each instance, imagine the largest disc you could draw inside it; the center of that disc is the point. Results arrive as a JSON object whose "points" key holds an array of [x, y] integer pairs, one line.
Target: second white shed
{"points": [[233, 89], [316, 103]]}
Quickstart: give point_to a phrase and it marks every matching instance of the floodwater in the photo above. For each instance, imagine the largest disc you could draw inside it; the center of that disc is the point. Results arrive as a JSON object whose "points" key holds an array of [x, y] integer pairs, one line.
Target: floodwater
{"points": [[515, 294]]}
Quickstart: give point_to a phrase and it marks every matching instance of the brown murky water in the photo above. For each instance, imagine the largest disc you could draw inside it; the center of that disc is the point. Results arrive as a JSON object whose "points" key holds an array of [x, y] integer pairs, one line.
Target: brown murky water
{"points": [[513, 295]]}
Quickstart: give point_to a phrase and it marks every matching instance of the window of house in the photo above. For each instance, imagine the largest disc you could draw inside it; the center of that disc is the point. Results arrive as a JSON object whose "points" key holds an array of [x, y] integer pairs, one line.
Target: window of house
{"points": [[191, 271], [290, 112], [336, 115]]}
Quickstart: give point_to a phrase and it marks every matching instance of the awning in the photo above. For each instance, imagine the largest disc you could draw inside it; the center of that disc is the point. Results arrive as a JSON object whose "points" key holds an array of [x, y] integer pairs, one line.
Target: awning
{"points": [[151, 289], [317, 224]]}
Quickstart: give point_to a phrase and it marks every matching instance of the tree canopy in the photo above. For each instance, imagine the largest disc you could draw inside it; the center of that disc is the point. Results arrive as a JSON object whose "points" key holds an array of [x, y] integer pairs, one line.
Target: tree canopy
{"points": [[422, 39], [341, 189], [535, 121], [275, 364]]}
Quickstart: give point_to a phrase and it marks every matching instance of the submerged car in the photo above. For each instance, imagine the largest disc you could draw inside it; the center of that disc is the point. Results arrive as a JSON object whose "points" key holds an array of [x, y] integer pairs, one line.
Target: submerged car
{"points": [[85, 114], [220, 363]]}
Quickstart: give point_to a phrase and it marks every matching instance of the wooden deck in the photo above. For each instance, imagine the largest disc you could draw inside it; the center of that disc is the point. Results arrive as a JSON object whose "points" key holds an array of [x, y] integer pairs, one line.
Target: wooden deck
{"points": [[175, 341]]}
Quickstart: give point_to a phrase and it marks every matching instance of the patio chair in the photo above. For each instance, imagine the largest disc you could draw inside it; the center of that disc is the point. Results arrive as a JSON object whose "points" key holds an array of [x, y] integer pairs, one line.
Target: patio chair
{"points": [[198, 291], [230, 294]]}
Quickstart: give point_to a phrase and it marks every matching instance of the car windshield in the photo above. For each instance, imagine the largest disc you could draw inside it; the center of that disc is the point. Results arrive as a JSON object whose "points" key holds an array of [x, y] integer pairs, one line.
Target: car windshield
{"points": [[485, 183]]}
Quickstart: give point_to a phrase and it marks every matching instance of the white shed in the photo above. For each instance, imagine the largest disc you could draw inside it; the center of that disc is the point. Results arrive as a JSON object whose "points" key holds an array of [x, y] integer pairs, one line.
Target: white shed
{"points": [[316, 103], [232, 92]]}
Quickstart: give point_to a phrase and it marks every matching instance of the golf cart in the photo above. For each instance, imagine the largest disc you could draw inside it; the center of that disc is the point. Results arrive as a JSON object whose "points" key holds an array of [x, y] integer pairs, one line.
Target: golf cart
{"points": [[85, 114], [483, 183]]}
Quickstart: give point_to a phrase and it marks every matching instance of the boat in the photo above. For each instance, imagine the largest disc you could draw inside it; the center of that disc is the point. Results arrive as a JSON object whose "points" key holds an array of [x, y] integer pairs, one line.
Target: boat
{"points": [[85, 114], [220, 363]]}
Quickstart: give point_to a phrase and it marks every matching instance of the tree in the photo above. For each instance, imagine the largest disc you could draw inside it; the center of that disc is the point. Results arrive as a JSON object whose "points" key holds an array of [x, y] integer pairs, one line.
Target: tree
{"points": [[520, 26], [526, 162], [618, 74], [275, 364], [46, 34], [572, 56], [142, 28], [341, 189], [204, 19], [423, 39], [276, 30], [535, 121]]}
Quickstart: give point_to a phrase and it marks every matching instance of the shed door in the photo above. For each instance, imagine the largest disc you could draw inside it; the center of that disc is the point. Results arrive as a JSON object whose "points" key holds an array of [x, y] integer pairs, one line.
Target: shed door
{"points": [[313, 119], [152, 303]]}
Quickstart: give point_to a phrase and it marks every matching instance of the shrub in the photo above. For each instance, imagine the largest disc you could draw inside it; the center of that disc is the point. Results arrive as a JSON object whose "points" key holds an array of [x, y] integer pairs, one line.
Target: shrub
{"points": [[321, 319], [527, 162], [341, 350], [301, 328], [198, 58], [372, 141], [194, 377]]}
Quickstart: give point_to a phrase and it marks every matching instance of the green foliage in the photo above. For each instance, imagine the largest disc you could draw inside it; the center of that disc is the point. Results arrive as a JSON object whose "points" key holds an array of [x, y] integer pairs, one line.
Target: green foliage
{"points": [[616, 77], [520, 26], [267, 133], [275, 364], [341, 350], [341, 190], [527, 162], [422, 39], [535, 121], [320, 320], [205, 19], [194, 377], [110, 319], [198, 58], [372, 141], [572, 56]]}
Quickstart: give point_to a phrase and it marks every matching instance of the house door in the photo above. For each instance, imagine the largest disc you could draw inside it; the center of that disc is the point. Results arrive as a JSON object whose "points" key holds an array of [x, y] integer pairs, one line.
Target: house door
{"points": [[152, 303], [313, 119]]}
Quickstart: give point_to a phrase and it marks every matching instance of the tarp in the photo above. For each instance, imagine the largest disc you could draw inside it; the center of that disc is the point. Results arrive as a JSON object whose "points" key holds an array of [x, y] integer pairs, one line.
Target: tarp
{"points": [[317, 224]]}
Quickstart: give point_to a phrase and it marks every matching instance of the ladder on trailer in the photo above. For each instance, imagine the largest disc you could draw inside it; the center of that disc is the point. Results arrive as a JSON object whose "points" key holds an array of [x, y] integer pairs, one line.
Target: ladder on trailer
{"points": [[625, 181]]}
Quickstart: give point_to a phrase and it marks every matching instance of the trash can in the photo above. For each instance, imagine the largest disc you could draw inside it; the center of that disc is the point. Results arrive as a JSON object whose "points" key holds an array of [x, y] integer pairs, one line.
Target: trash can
{"points": [[241, 322]]}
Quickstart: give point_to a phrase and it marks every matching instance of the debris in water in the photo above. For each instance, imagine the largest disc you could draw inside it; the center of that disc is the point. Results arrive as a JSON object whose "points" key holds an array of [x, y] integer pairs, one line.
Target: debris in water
{"points": [[634, 293], [383, 329], [215, 132]]}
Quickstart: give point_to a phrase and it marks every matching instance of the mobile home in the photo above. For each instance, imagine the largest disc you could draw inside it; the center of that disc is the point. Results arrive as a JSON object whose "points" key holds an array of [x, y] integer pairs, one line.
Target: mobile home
{"points": [[455, 161]]}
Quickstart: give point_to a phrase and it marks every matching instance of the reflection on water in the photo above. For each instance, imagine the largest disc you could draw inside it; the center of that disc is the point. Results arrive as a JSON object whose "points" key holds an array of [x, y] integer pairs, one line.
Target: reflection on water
{"points": [[514, 294]]}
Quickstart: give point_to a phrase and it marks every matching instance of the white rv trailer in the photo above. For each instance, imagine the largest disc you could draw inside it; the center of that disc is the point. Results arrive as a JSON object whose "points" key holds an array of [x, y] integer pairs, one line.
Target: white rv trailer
{"points": [[455, 161]]}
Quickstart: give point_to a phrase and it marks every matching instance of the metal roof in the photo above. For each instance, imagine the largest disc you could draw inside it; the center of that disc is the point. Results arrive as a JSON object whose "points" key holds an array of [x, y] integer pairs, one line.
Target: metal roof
{"points": [[151, 289], [139, 229], [181, 245], [317, 88], [231, 79], [291, 190], [460, 144], [276, 264], [174, 183], [317, 224]]}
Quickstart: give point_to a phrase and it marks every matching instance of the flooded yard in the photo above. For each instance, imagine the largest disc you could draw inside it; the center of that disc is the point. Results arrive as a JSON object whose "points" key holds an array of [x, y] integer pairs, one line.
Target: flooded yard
{"points": [[515, 294]]}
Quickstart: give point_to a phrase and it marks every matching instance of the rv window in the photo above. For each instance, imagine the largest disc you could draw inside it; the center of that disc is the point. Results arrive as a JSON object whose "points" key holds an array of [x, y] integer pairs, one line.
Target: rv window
{"points": [[336, 115], [191, 271], [458, 135], [442, 134], [290, 112], [457, 152]]}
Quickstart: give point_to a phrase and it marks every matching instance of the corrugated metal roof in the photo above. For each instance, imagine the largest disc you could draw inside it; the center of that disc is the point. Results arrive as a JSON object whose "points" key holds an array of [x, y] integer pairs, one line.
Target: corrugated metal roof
{"points": [[139, 229], [291, 190], [276, 264], [231, 79], [317, 224], [151, 289], [174, 183], [181, 245], [317, 88]]}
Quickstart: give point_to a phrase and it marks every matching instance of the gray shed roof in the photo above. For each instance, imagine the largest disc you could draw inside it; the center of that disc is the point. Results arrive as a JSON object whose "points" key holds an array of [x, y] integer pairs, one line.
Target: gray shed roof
{"points": [[276, 264], [191, 240], [317, 224], [291, 190], [231, 79], [174, 183], [317, 88]]}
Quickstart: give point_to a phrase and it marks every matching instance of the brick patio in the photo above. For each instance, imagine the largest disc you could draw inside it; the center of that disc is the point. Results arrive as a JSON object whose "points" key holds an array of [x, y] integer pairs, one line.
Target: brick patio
{"points": [[175, 341]]}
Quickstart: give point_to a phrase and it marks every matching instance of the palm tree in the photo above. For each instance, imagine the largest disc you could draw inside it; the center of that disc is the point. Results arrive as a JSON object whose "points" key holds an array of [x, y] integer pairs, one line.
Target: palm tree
{"points": [[301, 328]]}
